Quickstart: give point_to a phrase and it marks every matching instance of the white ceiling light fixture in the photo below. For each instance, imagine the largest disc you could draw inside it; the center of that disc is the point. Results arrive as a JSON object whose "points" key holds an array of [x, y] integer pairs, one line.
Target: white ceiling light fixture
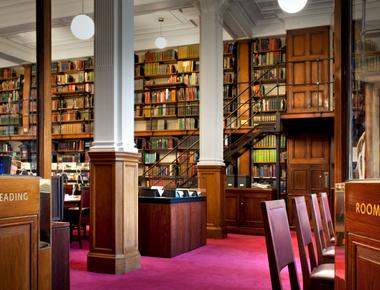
{"points": [[292, 6], [82, 26], [160, 41]]}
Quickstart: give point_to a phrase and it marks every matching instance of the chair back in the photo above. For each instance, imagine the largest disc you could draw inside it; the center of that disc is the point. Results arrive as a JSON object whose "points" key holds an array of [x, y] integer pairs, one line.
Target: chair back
{"points": [[85, 197], [326, 215], [318, 227], [305, 240], [279, 243]]}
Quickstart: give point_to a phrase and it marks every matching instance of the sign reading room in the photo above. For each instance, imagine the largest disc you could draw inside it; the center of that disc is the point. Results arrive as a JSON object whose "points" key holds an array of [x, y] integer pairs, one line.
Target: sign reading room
{"points": [[367, 209]]}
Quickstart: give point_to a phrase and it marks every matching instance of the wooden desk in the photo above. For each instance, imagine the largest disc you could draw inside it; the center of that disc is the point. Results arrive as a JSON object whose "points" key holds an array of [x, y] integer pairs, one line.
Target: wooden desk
{"points": [[72, 200], [171, 226], [242, 209]]}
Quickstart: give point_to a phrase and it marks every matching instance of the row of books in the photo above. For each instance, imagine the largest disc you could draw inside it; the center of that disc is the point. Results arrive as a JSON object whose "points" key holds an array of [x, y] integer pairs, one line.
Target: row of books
{"points": [[10, 119], [71, 145], [189, 51], [189, 79], [155, 68], [229, 77], [73, 88], [188, 66], [159, 96], [229, 48], [264, 170], [72, 116], [270, 141], [10, 108], [166, 124], [162, 170], [264, 155], [8, 73], [264, 119], [11, 84], [75, 128], [229, 91], [139, 85], [263, 44], [9, 130], [69, 157], [271, 74], [71, 65], [269, 58], [188, 94], [268, 105], [191, 109], [158, 143], [269, 90], [156, 110], [228, 62], [370, 63], [68, 78], [12, 96], [229, 107], [74, 103], [166, 55]]}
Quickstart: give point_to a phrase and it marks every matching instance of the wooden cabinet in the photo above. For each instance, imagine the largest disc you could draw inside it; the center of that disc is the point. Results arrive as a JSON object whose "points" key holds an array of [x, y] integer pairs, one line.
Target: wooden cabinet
{"points": [[242, 209], [308, 70]]}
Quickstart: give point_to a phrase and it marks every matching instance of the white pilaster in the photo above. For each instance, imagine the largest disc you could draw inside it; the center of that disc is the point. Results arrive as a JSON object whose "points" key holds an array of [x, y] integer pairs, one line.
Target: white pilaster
{"points": [[211, 83], [114, 76]]}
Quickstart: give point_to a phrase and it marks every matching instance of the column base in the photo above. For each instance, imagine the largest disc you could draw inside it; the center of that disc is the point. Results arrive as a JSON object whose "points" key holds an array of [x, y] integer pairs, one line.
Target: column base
{"points": [[113, 264], [114, 212], [211, 181]]}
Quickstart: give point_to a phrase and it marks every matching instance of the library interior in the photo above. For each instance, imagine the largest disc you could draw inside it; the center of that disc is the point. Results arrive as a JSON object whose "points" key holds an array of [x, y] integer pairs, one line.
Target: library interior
{"points": [[189, 144]]}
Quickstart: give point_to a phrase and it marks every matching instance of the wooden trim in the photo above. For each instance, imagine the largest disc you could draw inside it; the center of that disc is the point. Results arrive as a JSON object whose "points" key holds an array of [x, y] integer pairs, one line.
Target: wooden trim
{"points": [[43, 25], [26, 97], [341, 40]]}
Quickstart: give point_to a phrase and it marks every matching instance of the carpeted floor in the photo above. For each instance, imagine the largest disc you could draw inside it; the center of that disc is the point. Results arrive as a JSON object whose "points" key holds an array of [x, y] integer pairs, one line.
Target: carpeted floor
{"points": [[238, 262]]}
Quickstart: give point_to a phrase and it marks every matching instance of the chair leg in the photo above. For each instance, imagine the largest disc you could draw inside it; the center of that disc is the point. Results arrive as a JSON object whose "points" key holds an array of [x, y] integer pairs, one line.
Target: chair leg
{"points": [[79, 236]]}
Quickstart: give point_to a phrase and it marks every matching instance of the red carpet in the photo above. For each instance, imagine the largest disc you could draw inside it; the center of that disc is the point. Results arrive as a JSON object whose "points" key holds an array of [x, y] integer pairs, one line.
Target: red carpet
{"points": [[238, 262]]}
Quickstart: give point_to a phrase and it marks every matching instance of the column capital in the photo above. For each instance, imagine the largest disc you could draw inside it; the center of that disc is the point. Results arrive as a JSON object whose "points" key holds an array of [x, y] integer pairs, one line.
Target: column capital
{"points": [[216, 6]]}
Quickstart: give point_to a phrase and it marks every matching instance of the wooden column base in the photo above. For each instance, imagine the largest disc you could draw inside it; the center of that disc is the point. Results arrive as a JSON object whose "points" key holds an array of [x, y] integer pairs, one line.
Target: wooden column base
{"points": [[114, 213], [211, 180]]}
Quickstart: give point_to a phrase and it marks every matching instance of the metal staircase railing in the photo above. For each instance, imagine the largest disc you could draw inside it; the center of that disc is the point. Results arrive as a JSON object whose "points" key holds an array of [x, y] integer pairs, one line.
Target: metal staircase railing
{"points": [[192, 151]]}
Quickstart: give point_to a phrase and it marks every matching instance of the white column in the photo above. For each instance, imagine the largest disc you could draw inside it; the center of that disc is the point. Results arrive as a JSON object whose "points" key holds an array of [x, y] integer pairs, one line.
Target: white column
{"points": [[211, 83], [114, 76]]}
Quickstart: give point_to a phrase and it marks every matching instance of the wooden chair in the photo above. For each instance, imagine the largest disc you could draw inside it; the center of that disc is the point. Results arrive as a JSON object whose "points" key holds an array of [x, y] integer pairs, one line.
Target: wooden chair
{"points": [[314, 276], [326, 254], [79, 217], [279, 243], [327, 220]]}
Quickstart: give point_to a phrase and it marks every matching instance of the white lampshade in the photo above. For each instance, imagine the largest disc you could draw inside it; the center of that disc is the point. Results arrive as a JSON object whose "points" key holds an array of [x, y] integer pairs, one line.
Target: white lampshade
{"points": [[292, 6], [82, 26], [160, 42]]}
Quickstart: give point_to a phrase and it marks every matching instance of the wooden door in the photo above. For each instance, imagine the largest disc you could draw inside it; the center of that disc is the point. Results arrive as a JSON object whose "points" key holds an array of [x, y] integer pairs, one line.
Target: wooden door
{"points": [[231, 210], [308, 71]]}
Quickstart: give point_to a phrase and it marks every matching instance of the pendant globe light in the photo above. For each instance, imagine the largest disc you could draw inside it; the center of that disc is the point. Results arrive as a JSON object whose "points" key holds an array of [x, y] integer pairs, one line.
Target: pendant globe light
{"points": [[82, 26], [292, 6], [160, 41]]}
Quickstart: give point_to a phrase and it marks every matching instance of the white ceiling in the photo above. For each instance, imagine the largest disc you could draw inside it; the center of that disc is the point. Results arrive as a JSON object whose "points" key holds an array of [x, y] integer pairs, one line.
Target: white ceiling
{"points": [[242, 19]]}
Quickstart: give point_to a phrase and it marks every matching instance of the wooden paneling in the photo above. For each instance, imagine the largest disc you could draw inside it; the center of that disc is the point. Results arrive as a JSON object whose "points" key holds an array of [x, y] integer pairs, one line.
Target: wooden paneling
{"points": [[308, 70], [44, 268], [243, 211], [308, 148], [169, 229], [60, 256], [114, 207], [211, 181]]}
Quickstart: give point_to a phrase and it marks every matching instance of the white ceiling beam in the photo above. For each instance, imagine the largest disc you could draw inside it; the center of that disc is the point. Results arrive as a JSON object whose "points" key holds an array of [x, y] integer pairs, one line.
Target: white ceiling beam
{"points": [[162, 5], [17, 51]]}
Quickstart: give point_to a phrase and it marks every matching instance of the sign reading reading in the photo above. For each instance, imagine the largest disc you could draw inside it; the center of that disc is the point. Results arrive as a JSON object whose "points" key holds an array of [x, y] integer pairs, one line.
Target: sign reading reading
{"points": [[13, 196]]}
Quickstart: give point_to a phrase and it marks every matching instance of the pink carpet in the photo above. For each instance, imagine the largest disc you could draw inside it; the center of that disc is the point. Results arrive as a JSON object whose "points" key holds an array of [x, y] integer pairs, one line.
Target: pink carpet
{"points": [[238, 262]]}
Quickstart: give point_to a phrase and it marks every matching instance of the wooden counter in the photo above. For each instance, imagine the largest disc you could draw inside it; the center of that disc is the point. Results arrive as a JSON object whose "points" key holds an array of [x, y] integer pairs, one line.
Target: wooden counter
{"points": [[171, 226], [19, 236], [242, 209], [362, 225]]}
